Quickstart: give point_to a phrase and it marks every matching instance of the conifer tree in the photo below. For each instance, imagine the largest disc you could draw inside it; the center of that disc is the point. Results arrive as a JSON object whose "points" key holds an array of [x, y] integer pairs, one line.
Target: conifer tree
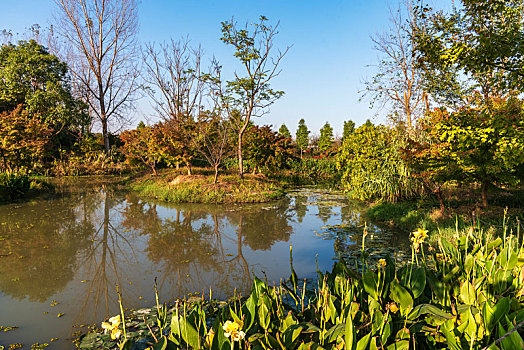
{"points": [[326, 137], [302, 136]]}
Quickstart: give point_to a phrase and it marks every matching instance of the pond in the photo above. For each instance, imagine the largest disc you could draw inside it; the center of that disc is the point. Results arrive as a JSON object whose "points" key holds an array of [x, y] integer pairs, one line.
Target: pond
{"points": [[62, 257]]}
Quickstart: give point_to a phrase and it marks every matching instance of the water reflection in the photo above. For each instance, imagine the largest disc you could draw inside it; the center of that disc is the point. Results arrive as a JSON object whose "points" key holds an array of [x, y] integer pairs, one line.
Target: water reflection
{"points": [[38, 249], [73, 249]]}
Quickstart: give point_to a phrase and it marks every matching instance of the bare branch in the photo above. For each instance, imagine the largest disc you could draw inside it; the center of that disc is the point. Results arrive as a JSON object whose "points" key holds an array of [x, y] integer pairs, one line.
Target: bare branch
{"points": [[102, 54]]}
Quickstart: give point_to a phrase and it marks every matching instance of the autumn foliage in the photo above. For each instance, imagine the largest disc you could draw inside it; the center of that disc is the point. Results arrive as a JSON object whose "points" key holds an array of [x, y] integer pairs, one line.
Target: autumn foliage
{"points": [[24, 139]]}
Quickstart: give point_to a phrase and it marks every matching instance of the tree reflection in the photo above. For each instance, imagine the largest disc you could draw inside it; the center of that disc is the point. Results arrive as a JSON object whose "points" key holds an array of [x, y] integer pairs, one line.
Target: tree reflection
{"points": [[189, 247], [104, 238], [324, 211], [110, 255], [39, 245], [300, 206], [263, 227]]}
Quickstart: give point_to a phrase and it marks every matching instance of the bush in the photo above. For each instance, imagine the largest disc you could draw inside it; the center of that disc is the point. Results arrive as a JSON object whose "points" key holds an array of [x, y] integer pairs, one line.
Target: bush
{"points": [[13, 186], [371, 166], [313, 171]]}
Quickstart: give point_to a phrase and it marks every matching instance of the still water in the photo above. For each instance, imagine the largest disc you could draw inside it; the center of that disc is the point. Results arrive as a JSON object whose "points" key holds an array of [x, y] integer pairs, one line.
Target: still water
{"points": [[61, 257]]}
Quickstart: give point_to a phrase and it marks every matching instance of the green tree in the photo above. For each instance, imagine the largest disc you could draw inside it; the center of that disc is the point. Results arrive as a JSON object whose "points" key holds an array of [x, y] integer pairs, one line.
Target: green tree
{"points": [[349, 128], [475, 144], [251, 93], [326, 137], [302, 136], [266, 149], [284, 131], [478, 46], [38, 81]]}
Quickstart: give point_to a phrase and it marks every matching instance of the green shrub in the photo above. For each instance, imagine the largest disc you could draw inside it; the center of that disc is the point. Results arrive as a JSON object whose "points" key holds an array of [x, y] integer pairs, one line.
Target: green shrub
{"points": [[312, 171], [13, 186], [371, 167]]}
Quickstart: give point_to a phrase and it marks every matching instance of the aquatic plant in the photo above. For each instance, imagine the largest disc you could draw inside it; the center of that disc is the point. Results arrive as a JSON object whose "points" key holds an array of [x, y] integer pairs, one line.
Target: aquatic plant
{"points": [[466, 295]]}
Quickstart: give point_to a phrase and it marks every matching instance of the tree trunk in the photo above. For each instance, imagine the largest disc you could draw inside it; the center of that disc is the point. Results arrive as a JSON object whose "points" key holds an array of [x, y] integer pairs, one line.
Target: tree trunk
{"points": [[484, 193], [240, 159], [408, 120], [216, 174], [438, 193], [103, 118], [106, 136], [188, 164]]}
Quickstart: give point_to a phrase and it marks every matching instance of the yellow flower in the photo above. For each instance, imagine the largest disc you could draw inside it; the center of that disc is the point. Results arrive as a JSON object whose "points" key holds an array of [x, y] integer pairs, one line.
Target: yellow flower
{"points": [[112, 327], [237, 336], [393, 308], [106, 326], [418, 237], [115, 333], [382, 262], [115, 319], [233, 329]]}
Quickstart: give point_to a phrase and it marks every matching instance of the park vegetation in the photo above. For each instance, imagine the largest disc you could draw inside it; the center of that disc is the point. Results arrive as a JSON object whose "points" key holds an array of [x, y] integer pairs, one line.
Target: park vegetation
{"points": [[456, 123], [451, 152]]}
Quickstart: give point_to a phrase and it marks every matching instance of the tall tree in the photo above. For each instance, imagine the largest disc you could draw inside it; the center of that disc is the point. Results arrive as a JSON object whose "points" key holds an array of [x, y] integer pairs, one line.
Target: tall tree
{"points": [[173, 71], [284, 131], [476, 48], [250, 93], [397, 84], [103, 37], [349, 128], [178, 88], [481, 38], [302, 136], [326, 137]]}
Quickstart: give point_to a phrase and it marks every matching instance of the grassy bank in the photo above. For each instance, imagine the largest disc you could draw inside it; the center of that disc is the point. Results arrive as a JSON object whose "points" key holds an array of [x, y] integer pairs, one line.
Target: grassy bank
{"points": [[173, 187], [462, 210], [16, 187]]}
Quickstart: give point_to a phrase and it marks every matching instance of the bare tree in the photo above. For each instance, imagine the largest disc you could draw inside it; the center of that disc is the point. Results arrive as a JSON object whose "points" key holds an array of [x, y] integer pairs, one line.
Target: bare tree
{"points": [[173, 71], [398, 82], [250, 95], [101, 35], [177, 85], [214, 126]]}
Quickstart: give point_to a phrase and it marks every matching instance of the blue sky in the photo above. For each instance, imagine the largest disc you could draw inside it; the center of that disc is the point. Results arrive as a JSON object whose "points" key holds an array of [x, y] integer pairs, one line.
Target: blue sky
{"points": [[321, 75]]}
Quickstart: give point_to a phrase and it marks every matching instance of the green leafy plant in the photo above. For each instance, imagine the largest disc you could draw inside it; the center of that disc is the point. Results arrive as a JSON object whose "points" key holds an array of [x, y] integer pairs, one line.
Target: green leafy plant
{"points": [[466, 295]]}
